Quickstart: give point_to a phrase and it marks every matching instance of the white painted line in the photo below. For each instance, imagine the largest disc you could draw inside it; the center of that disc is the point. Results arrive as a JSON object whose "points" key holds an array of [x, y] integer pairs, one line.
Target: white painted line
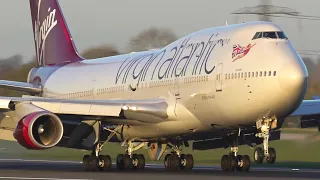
{"points": [[39, 178], [39, 160]]}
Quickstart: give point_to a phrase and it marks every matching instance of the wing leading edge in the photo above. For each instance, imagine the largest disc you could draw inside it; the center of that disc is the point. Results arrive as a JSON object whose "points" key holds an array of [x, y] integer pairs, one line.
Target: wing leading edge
{"points": [[147, 111], [309, 110], [21, 86]]}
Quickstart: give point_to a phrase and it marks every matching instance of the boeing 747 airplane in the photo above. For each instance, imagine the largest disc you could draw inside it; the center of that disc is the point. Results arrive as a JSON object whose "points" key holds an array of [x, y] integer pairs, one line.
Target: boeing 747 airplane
{"points": [[219, 87]]}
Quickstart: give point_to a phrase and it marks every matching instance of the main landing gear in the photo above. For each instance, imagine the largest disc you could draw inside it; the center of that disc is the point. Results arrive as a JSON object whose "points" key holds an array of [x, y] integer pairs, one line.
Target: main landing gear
{"points": [[234, 162], [264, 125], [176, 161], [96, 162], [129, 160]]}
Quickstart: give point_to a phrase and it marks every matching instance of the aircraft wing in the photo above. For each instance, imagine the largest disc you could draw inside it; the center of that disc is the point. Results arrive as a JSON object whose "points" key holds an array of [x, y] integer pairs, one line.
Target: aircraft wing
{"points": [[20, 86], [309, 110], [118, 111]]}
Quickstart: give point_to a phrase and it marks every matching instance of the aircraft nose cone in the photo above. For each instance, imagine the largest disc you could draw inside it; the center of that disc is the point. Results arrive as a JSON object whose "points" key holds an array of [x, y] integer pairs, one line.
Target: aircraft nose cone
{"points": [[292, 76]]}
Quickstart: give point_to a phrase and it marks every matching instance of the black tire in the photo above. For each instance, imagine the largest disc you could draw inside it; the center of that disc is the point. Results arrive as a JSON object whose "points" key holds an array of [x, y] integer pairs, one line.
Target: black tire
{"points": [[85, 162], [120, 162], [224, 163], [167, 161], [186, 162], [142, 161], [272, 156], [258, 155], [93, 163], [232, 163], [106, 161], [246, 163], [127, 161], [175, 162], [139, 161], [239, 165]]}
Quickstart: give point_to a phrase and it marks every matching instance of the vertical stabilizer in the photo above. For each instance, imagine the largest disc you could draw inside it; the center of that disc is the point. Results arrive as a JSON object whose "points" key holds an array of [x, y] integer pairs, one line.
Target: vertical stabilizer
{"points": [[53, 42]]}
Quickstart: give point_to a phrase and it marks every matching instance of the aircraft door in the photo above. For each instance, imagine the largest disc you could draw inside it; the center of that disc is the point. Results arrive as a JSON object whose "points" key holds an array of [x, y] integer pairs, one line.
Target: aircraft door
{"points": [[219, 77]]}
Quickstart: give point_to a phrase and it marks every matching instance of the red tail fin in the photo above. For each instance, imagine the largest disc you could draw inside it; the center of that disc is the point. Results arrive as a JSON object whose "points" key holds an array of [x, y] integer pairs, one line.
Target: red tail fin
{"points": [[53, 41]]}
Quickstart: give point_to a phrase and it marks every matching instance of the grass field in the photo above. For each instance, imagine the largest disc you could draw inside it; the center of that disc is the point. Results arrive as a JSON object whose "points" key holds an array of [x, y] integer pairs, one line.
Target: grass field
{"points": [[291, 154]]}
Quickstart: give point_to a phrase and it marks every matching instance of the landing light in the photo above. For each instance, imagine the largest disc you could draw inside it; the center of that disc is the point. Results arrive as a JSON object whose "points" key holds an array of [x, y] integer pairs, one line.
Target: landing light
{"points": [[125, 108], [134, 108]]}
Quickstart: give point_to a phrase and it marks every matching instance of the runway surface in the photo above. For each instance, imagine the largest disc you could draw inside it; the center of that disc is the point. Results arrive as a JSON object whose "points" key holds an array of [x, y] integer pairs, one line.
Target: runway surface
{"points": [[68, 170]]}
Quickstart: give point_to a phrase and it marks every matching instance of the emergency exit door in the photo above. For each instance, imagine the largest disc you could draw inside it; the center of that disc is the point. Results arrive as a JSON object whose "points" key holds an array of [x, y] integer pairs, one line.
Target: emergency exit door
{"points": [[219, 77]]}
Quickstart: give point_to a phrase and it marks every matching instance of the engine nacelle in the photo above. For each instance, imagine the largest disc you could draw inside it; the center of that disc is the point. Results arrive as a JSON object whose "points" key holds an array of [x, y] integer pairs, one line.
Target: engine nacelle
{"points": [[39, 130]]}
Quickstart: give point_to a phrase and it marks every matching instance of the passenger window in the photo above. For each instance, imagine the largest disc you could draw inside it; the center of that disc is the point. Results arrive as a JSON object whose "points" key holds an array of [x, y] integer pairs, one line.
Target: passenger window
{"points": [[265, 73], [232, 76], [252, 74], [260, 73], [242, 75], [228, 76], [245, 75], [248, 74], [274, 73], [239, 75], [269, 73]]}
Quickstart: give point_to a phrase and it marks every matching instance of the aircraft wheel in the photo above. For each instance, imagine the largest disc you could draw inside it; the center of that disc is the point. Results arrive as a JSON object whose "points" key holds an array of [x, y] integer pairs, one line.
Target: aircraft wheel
{"points": [[91, 163], [239, 161], [258, 155], [246, 163], [224, 163], [232, 163], [186, 162], [105, 162], [272, 156], [172, 162], [138, 161]]}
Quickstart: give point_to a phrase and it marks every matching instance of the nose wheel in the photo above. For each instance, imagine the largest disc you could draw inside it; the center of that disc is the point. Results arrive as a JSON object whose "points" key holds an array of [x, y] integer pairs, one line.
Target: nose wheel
{"points": [[259, 156]]}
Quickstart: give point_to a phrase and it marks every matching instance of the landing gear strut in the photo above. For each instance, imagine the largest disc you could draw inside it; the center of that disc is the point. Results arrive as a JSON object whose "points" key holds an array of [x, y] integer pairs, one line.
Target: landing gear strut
{"points": [[178, 161], [264, 125], [129, 160]]}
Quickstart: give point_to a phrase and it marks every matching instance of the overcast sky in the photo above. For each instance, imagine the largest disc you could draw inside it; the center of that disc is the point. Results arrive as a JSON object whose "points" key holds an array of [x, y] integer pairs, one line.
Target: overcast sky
{"points": [[96, 22]]}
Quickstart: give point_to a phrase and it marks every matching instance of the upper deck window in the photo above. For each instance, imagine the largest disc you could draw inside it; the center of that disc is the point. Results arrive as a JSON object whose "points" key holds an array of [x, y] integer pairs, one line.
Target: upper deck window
{"points": [[270, 34]]}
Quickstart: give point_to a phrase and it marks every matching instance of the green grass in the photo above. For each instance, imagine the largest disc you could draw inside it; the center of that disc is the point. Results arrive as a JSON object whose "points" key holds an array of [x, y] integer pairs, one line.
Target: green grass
{"points": [[291, 154], [299, 130]]}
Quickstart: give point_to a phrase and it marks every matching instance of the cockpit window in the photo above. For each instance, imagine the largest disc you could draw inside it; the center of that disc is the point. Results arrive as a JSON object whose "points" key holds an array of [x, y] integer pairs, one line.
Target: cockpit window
{"points": [[281, 35], [270, 35]]}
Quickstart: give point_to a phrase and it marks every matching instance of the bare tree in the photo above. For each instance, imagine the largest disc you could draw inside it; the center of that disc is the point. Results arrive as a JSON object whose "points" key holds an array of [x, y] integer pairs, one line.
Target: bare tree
{"points": [[151, 38], [100, 51]]}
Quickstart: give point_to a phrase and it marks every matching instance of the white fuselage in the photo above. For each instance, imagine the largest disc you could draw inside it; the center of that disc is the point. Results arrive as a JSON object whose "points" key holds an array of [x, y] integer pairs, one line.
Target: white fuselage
{"points": [[198, 77]]}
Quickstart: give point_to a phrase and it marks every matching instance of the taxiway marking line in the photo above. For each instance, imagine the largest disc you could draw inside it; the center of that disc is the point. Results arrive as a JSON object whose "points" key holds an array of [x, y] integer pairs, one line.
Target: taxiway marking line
{"points": [[39, 178]]}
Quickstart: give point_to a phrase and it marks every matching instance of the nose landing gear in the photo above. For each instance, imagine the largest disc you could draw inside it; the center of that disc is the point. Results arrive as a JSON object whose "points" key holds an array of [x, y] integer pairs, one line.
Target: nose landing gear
{"points": [[268, 153]]}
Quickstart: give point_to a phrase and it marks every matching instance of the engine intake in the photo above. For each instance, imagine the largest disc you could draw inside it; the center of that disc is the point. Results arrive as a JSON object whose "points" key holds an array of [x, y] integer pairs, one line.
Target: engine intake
{"points": [[39, 130]]}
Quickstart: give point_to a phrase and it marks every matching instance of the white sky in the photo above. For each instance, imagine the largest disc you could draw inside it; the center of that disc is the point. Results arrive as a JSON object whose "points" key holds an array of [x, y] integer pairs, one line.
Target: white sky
{"points": [[96, 22]]}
